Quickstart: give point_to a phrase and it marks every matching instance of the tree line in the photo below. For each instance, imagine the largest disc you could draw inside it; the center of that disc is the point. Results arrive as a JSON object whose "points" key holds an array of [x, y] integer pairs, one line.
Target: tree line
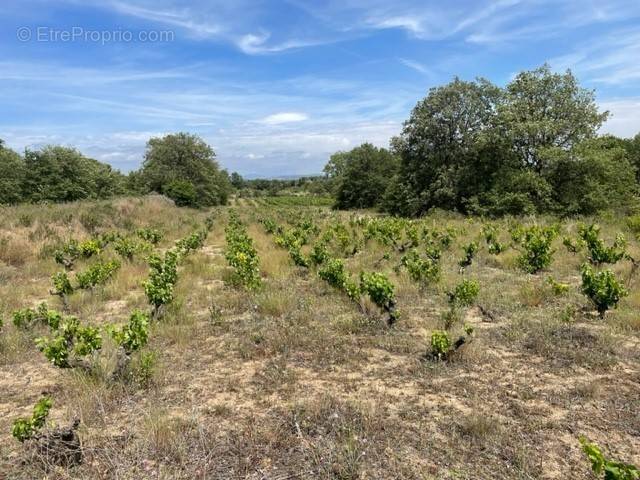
{"points": [[474, 147], [181, 166]]}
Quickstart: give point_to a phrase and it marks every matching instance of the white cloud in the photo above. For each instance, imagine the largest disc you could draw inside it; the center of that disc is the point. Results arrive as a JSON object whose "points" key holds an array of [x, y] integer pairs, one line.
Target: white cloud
{"points": [[284, 117], [624, 120]]}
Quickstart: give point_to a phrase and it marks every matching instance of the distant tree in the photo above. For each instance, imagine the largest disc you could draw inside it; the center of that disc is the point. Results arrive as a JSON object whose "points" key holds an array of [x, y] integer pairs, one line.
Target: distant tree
{"points": [[12, 171], [366, 175], [185, 158], [595, 175], [62, 174], [632, 146], [237, 181]]}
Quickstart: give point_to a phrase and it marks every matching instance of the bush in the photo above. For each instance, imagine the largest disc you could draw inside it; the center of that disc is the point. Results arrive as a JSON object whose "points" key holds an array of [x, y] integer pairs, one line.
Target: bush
{"points": [[602, 288], [182, 192], [151, 235], [422, 269], [96, 275], [599, 253], [241, 254], [536, 243], [163, 275], [612, 469], [380, 290], [335, 275], [440, 344], [470, 251], [133, 335], [464, 294], [28, 317], [70, 343], [26, 428]]}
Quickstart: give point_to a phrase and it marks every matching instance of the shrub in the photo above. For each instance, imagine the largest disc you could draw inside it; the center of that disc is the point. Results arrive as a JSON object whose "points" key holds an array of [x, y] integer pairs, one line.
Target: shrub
{"points": [[319, 253], [380, 290], [133, 335], [241, 254], [422, 270], [162, 278], [612, 469], [126, 248], [557, 287], [151, 235], [61, 285], [602, 288], [536, 244], [464, 294], [97, 274], [27, 317], [70, 343], [490, 233], [470, 251], [27, 428], [440, 344], [182, 192], [599, 253], [335, 275], [573, 246]]}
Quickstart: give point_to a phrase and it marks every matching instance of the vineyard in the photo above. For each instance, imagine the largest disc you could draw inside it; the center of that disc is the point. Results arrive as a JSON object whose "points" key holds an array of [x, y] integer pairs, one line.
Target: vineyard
{"points": [[279, 339]]}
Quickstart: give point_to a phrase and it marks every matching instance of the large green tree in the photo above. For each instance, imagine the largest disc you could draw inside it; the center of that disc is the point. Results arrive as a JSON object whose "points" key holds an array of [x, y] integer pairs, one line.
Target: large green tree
{"points": [[12, 171], [366, 174], [444, 146], [542, 109], [182, 162]]}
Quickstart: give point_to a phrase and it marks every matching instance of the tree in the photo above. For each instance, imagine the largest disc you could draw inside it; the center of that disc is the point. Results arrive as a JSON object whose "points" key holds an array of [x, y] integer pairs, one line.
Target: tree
{"points": [[595, 175], [62, 174], [542, 109], [186, 158], [445, 140], [12, 171], [237, 181], [366, 175]]}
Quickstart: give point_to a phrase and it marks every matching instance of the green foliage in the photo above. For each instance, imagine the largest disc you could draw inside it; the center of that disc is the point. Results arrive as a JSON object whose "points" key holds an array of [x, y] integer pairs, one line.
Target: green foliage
{"points": [[470, 251], [365, 176], [28, 317], [572, 246], [535, 241], [61, 174], [182, 192], [61, 285], [126, 248], [27, 428], [612, 470], [12, 175], [97, 274], [134, 335], [151, 235], [599, 253], [557, 287], [422, 269], [241, 254], [184, 167], [69, 343], [163, 274], [526, 148], [378, 287], [334, 274], [464, 294], [440, 344], [602, 288], [319, 253], [67, 254], [490, 233]]}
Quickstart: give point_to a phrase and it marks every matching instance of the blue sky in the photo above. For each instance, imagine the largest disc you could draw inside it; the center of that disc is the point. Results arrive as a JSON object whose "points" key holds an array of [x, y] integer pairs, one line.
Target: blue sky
{"points": [[277, 86]]}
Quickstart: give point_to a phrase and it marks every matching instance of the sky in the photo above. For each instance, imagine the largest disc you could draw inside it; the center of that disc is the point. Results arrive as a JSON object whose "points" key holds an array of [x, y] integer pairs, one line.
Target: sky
{"points": [[275, 87]]}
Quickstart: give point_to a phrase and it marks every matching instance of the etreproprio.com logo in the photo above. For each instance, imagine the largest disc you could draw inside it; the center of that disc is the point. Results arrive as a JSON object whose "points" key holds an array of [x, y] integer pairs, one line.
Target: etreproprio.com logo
{"points": [[82, 35]]}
